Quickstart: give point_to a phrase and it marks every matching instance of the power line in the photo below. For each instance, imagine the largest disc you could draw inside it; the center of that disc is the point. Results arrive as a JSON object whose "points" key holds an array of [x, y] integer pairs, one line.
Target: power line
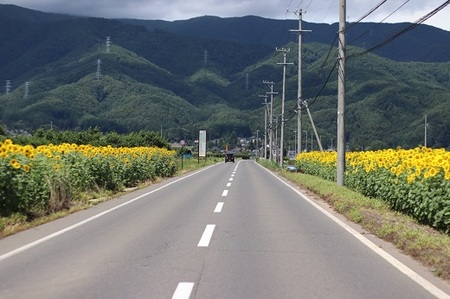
{"points": [[397, 9], [367, 14], [407, 29]]}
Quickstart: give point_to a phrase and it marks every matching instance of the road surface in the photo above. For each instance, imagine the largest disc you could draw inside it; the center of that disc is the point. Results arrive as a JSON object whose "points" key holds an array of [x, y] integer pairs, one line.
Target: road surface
{"points": [[232, 230]]}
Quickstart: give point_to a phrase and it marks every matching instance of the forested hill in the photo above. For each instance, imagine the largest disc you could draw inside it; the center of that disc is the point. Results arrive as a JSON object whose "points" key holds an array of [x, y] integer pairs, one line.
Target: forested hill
{"points": [[179, 77], [434, 43]]}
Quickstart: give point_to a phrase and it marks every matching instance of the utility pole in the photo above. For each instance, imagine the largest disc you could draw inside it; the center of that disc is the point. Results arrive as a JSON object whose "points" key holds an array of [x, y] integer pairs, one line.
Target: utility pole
{"points": [[299, 90], [271, 93], [306, 141], [295, 142], [257, 144], [266, 109], [341, 95], [276, 138], [284, 64]]}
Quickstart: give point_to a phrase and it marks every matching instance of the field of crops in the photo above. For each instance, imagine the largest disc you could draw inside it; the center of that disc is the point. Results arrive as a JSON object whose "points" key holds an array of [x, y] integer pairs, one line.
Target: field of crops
{"points": [[36, 181], [415, 182]]}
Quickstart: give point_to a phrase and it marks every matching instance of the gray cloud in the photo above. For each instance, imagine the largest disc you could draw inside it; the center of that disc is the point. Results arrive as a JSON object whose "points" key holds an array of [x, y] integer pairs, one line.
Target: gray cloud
{"points": [[324, 11]]}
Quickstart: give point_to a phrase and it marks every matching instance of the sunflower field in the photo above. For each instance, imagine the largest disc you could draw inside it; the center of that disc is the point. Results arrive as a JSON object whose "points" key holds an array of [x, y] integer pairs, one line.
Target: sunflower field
{"points": [[36, 181], [415, 181]]}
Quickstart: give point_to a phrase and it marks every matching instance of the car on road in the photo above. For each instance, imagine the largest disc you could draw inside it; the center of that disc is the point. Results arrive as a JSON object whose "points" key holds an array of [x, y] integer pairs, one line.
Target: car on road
{"points": [[229, 157]]}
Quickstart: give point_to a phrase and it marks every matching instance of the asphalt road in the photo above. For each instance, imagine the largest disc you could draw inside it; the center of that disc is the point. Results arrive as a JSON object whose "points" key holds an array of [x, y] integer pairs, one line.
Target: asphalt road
{"points": [[233, 230]]}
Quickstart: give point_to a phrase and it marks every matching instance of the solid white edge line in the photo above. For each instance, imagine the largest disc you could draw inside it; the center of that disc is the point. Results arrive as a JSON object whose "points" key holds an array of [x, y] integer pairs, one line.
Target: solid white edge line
{"points": [[206, 236], [183, 290], [389, 258], [219, 207], [225, 193], [67, 229]]}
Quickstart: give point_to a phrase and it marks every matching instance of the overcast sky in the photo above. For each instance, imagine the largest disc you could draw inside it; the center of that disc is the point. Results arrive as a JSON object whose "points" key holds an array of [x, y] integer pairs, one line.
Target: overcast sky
{"points": [[317, 11]]}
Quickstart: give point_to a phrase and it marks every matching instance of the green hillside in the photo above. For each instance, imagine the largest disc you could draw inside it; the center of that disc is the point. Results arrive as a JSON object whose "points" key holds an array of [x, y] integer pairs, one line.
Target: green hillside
{"points": [[177, 84]]}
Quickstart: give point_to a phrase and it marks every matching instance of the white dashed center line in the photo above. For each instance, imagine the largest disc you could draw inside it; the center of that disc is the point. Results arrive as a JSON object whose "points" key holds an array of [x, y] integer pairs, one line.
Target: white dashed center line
{"points": [[183, 291], [225, 193], [231, 179], [207, 235], [228, 184], [219, 207]]}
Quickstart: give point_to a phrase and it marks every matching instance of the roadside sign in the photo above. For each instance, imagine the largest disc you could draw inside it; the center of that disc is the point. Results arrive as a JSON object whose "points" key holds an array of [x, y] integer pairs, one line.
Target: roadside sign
{"points": [[202, 143]]}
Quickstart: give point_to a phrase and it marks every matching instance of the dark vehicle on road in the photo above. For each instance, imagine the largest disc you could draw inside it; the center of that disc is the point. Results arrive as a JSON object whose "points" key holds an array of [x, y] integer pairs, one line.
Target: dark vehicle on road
{"points": [[229, 157]]}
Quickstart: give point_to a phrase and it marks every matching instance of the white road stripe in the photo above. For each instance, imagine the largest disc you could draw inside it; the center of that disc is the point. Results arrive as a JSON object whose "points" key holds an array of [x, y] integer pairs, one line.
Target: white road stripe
{"points": [[389, 258], [183, 291], [225, 193], [74, 226], [219, 207], [228, 184], [207, 235], [231, 179]]}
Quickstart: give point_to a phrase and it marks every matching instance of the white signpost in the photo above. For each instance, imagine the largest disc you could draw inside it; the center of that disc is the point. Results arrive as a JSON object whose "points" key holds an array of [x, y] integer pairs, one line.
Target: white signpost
{"points": [[202, 144]]}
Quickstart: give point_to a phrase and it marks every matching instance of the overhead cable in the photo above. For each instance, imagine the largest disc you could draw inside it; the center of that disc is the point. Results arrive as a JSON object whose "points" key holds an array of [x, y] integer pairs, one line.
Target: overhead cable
{"points": [[407, 29], [371, 28], [367, 14]]}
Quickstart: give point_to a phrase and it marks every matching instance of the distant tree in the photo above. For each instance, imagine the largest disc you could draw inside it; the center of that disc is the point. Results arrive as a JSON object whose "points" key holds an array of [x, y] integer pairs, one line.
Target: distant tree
{"points": [[3, 131]]}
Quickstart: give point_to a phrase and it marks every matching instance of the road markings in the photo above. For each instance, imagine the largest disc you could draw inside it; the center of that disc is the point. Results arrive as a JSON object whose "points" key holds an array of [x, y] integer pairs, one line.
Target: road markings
{"points": [[183, 290], [386, 256], [219, 207], [231, 179], [207, 235], [225, 193], [74, 226], [228, 184]]}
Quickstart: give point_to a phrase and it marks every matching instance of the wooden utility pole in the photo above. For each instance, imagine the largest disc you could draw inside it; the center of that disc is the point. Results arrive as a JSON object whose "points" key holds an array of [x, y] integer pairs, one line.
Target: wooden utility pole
{"points": [[299, 90], [271, 131], [341, 96], [266, 110], [284, 64]]}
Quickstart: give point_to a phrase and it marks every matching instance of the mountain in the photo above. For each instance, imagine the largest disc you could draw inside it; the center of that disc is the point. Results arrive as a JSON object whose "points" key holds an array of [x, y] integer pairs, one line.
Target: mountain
{"points": [[179, 77], [433, 42]]}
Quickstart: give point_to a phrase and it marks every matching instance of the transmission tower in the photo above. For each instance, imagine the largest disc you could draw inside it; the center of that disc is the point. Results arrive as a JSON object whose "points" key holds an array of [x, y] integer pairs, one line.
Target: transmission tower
{"points": [[8, 86], [98, 75], [205, 57], [108, 44], [27, 90]]}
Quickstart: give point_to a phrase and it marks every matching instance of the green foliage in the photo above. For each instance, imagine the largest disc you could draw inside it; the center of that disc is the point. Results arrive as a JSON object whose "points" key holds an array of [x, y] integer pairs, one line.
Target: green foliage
{"points": [[92, 136], [159, 81], [41, 181]]}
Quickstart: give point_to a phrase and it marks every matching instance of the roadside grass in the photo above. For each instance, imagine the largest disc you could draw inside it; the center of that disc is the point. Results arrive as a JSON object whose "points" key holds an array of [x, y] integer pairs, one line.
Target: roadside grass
{"points": [[17, 222], [429, 247]]}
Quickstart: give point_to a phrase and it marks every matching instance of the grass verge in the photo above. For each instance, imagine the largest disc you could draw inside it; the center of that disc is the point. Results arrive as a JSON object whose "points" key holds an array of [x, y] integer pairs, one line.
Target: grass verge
{"points": [[426, 245]]}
